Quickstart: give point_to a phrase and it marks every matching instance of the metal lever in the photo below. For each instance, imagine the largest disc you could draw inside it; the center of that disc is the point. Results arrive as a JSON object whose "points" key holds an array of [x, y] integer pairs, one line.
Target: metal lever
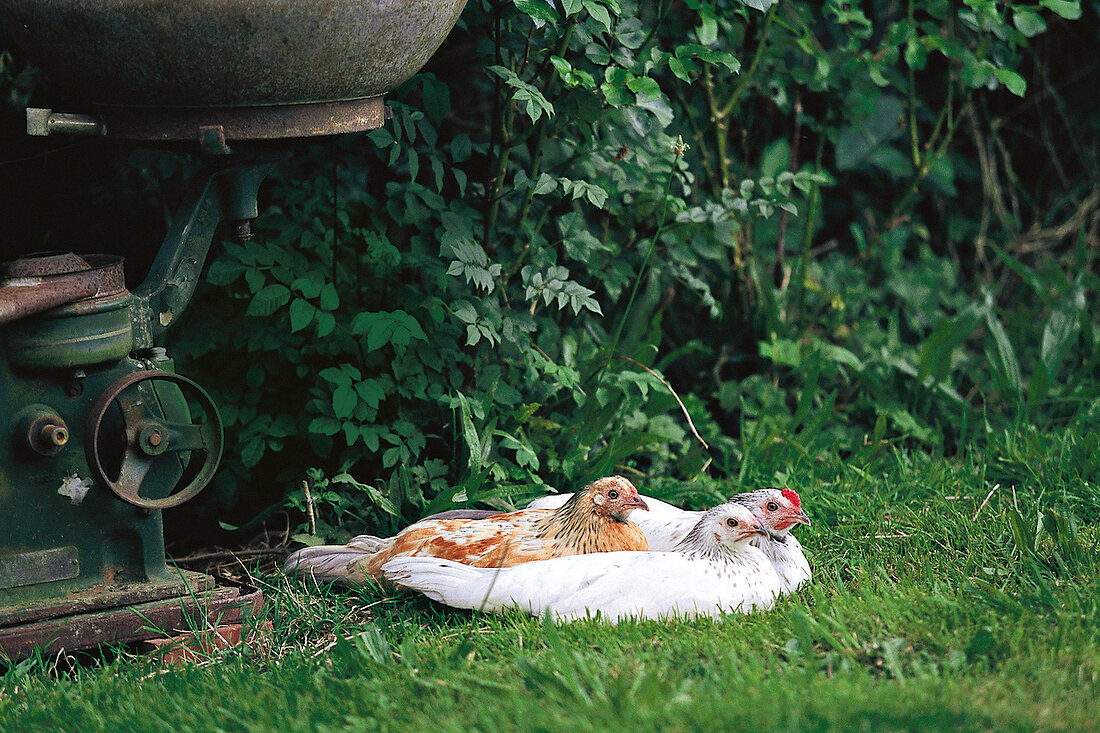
{"points": [[42, 122]]}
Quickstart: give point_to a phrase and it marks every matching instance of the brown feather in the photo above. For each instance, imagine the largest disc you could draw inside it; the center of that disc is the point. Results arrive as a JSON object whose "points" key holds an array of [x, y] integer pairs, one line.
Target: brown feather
{"points": [[595, 519]]}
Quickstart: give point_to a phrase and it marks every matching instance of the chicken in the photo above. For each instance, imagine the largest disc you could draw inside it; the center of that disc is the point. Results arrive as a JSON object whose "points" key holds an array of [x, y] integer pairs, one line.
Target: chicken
{"points": [[713, 570], [779, 510], [595, 519]]}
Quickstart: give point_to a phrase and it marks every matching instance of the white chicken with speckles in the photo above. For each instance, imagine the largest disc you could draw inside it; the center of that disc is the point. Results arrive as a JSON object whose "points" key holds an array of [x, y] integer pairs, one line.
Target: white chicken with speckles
{"points": [[779, 510], [713, 570]]}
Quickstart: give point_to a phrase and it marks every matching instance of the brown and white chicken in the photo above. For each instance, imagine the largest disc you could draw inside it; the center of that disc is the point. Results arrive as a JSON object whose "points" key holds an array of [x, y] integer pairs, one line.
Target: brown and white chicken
{"points": [[595, 519], [711, 571]]}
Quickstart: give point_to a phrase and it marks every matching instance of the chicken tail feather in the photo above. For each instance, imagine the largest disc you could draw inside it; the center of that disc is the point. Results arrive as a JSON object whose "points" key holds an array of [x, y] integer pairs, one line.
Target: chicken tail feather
{"points": [[452, 583], [327, 563]]}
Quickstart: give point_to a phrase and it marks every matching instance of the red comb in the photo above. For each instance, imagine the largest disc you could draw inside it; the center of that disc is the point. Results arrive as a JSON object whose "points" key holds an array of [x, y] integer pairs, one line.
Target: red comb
{"points": [[792, 496]]}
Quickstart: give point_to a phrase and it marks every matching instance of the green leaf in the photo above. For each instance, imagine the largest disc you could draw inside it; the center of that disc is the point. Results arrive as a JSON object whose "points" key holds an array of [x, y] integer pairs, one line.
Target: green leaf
{"points": [[301, 314], [1012, 81], [1060, 331], [437, 98], [538, 10], [545, 184], [1068, 9], [840, 355], [330, 300], [344, 400], [324, 426], [1006, 364], [268, 300], [645, 86], [351, 433], [776, 157], [563, 67], [252, 451], [372, 492], [707, 30], [309, 286], [1029, 22], [680, 68], [371, 392], [1039, 385], [598, 13], [469, 432], [326, 322], [397, 328], [782, 351], [935, 351], [224, 272]]}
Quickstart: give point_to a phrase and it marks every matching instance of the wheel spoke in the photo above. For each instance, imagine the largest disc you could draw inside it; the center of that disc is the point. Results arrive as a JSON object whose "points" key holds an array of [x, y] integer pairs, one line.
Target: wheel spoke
{"points": [[186, 436], [132, 474]]}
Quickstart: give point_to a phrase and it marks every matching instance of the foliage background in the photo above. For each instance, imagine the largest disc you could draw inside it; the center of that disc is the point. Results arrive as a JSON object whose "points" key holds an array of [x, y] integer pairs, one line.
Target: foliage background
{"points": [[823, 231]]}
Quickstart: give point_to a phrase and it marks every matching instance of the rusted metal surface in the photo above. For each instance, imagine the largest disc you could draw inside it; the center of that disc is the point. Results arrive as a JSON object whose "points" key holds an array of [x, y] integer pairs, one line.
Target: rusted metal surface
{"points": [[213, 53], [101, 597], [164, 617], [38, 283], [214, 127], [228, 124]]}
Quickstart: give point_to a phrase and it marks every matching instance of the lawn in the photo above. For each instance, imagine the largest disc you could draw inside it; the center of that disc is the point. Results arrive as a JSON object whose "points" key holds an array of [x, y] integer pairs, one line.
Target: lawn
{"points": [[949, 593]]}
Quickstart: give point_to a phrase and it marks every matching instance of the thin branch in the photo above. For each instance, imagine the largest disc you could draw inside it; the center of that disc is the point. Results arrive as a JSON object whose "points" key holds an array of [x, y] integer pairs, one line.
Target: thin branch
{"points": [[792, 166], [229, 555], [662, 380], [310, 514]]}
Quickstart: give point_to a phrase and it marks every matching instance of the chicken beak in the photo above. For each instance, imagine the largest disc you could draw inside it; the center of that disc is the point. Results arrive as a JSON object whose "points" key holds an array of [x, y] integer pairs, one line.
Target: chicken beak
{"points": [[791, 519], [637, 503], [755, 529]]}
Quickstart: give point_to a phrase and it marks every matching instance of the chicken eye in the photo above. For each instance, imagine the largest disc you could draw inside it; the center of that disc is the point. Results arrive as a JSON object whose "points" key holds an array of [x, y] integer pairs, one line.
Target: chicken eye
{"points": [[772, 506], [731, 522], [613, 494]]}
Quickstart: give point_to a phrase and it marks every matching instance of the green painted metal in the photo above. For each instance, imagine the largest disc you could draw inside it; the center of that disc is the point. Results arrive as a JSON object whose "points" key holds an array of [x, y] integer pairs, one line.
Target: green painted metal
{"points": [[225, 192], [89, 450], [76, 335], [213, 53], [115, 542]]}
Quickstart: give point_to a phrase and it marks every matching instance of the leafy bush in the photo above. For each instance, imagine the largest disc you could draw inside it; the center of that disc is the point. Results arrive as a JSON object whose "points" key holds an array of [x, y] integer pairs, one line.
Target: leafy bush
{"points": [[670, 240]]}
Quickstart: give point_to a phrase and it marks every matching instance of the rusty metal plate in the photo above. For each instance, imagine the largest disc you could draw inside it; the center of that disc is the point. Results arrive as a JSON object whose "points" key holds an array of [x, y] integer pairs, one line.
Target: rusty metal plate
{"points": [[150, 620], [205, 53], [242, 123]]}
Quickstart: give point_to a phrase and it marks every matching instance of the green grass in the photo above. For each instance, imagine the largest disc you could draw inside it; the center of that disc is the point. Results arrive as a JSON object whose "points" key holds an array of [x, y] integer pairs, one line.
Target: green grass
{"points": [[937, 604]]}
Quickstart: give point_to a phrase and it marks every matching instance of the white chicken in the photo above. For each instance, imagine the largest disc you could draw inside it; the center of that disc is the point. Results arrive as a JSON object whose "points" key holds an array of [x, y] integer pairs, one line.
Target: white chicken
{"points": [[665, 526], [713, 570]]}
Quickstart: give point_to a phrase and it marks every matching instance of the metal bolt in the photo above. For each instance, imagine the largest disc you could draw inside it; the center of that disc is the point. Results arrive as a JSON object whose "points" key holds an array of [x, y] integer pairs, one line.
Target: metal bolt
{"points": [[240, 230], [75, 387], [55, 435], [153, 440]]}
